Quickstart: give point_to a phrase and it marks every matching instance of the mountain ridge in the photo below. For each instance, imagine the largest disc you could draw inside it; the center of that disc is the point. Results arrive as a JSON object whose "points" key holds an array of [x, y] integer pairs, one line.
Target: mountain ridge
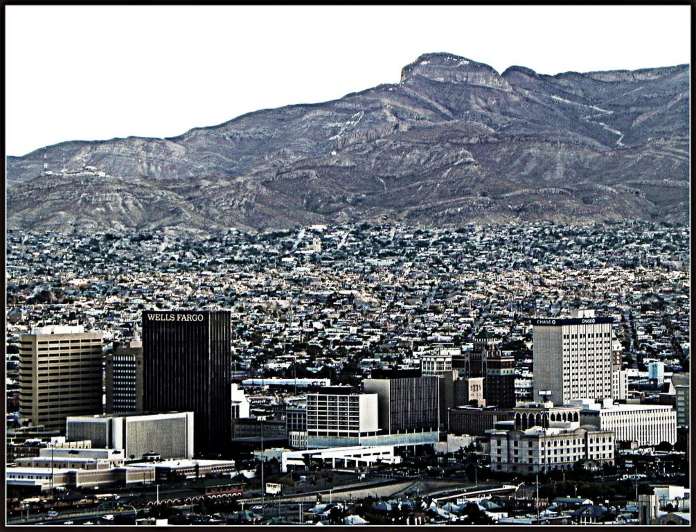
{"points": [[458, 125]]}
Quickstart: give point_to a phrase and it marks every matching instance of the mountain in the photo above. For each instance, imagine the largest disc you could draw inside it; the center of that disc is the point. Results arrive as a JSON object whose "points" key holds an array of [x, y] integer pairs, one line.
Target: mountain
{"points": [[453, 142]]}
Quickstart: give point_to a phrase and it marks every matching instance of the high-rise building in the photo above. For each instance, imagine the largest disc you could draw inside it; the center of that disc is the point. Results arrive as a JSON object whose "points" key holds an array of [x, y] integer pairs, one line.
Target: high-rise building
{"points": [[60, 375], [572, 358], [440, 365], [123, 379], [499, 385], [406, 404], [187, 367]]}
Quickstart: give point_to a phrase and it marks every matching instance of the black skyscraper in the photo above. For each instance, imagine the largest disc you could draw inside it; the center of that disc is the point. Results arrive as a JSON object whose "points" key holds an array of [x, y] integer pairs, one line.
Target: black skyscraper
{"points": [[186, 367]]}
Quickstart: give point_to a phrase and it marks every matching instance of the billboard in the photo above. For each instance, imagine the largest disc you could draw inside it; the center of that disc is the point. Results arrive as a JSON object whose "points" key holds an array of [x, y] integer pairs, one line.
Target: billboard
{"points": [[272, 488]]}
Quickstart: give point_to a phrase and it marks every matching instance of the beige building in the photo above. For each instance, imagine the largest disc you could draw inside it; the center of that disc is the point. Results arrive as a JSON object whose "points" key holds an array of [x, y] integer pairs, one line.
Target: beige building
{"points": [[542, 449], [573, 358], [60, 375]]}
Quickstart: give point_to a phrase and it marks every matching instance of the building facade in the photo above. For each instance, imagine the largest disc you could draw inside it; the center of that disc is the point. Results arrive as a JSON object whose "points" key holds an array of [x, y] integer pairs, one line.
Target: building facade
{"points": [[440, 365], [572, 358], [682, 399], [410, 404], [123, 378], [499, 385], [187, 367], [170, 435], [340, 416], [469, 391], [476, 421], [240, 403], [60, 375], [644, 424], [543, 449]]}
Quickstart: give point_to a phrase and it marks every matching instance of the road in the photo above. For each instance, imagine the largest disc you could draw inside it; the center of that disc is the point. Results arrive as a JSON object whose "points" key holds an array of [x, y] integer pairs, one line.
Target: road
{"points": [[77, 517], [360, 491]]}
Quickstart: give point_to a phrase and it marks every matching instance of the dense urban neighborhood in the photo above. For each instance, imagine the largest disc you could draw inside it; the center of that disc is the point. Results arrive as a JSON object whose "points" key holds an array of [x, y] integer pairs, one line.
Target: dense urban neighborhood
{"points": [[350, 374]]}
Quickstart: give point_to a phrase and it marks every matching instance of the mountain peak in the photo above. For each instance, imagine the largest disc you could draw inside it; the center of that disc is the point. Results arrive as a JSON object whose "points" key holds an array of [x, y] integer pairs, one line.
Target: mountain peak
{"points": [[444, 67]]}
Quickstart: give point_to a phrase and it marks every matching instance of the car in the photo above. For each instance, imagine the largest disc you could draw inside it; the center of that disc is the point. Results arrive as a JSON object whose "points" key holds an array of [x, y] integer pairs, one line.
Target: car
{"points": [[108, 517], [52, 513], [68, 523], [257, 508]]}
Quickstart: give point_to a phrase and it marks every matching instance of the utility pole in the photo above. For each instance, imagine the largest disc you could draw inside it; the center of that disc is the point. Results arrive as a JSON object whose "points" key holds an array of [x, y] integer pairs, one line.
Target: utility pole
{"points": [[53, 446], [537, 497], [263, 486]]}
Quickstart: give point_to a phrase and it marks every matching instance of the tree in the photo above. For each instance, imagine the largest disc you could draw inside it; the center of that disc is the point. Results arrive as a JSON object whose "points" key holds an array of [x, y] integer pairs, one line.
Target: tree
{"points": [[664, 446]]}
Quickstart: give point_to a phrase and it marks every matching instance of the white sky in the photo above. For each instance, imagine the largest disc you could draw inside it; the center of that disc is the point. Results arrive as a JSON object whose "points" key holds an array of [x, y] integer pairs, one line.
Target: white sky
{"points": [[87, 73]]}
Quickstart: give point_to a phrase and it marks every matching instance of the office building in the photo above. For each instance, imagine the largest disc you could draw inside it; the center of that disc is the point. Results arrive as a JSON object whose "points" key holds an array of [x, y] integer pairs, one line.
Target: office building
{"points": [[475, 421], [619, 385], [406, 404], [656, 372], [187, 365], [60, 375], [340, 416], [296, 418], [539, 449], [469, 391], [644, 424], [252, 432], [468, 364], [440, 365], [499, 385], [572, 358], [682, 399], [169, 435], [123, 378]]}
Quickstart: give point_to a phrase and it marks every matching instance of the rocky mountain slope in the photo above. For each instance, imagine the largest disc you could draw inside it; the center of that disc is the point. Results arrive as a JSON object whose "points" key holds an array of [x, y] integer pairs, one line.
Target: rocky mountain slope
{"points": [[453, 142]]}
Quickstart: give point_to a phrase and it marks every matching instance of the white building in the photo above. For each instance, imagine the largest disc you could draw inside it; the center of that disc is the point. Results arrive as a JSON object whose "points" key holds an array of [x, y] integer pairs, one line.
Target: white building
{"points": [[240, 403], [572, 358], [678, 496], [347, 457], [438, 364], [619, 384], [645, 424], [170, 435], [340, 416], [543, 449]]}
